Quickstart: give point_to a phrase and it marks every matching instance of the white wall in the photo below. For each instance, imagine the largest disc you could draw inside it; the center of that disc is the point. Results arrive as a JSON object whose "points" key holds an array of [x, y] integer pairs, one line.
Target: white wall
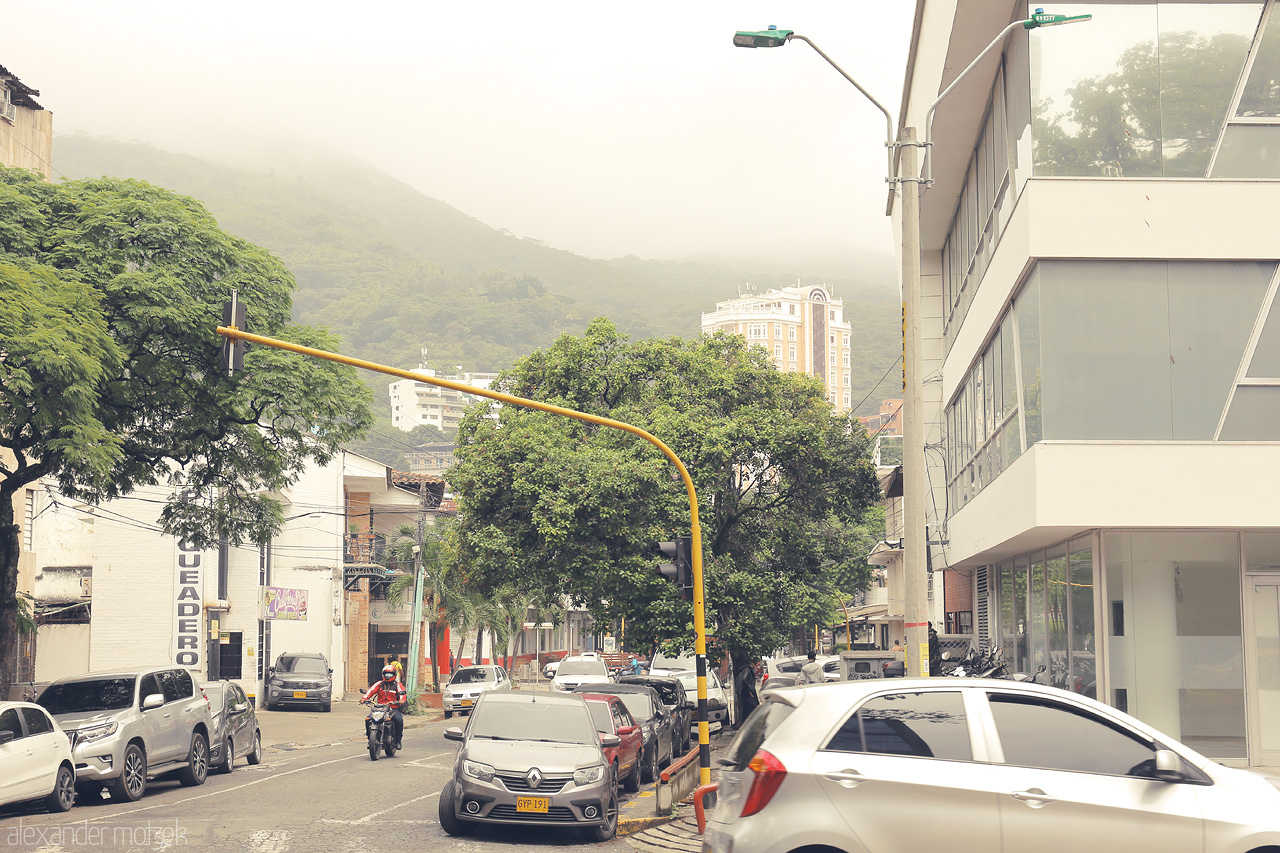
{"points": [[61, 650]]}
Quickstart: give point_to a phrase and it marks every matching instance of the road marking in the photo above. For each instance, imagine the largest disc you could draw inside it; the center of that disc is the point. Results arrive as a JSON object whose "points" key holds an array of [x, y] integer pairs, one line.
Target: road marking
{"points": [[367, 818], [220, 791], [270, 841]]}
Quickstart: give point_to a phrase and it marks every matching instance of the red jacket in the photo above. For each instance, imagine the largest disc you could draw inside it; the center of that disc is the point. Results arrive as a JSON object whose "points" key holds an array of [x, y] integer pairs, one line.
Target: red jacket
{"points": [[387, 695]]}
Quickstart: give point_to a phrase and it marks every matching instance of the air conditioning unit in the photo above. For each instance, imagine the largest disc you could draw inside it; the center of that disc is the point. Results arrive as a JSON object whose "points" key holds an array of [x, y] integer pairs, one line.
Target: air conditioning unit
{"points": [[7, 110], [86, 587]]}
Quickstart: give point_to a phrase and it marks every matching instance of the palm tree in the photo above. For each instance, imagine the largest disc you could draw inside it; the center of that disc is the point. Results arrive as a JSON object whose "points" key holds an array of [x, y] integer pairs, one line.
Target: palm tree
{"points": [[441, 580]]}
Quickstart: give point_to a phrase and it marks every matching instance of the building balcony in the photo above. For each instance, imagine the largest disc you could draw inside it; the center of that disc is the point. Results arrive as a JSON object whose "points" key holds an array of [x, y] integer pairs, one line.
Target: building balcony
{"points": [[366, 548]]}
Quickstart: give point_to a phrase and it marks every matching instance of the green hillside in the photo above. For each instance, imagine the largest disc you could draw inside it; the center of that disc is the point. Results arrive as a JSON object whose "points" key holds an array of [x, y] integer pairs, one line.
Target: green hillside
{"points": [[395, 272]]}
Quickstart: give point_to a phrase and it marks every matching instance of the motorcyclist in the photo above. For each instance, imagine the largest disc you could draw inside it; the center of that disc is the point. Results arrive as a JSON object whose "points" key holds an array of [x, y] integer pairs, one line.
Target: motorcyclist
{"points": [[388, 691]]}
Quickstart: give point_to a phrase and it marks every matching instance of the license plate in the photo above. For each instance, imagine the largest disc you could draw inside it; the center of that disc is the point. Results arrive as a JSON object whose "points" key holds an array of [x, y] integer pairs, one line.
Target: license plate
{"points": [[532, 804], [468, 701], [299, 694]]}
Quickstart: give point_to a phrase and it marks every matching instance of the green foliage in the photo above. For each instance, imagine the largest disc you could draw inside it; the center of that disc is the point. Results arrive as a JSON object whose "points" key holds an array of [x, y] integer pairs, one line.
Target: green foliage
{"points": [[555, 506], [110, 293]]}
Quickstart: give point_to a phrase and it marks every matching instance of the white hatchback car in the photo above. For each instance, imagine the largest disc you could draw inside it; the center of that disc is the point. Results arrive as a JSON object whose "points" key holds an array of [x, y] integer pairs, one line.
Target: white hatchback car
{"points": [[35, 758], [466, 685], [717, 699], [975, 764]]}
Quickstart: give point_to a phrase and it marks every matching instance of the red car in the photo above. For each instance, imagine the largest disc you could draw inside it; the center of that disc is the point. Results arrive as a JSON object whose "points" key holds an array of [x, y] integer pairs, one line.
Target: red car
{"points": [[613, 718]]}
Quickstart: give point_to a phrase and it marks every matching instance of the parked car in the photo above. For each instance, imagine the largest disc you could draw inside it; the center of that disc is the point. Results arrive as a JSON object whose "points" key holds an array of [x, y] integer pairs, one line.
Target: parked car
{"points": [[580, 670], [783, 672], [235, 726], [676, 698], [666, 665], [533, 759], [974, 764], [717, 699], [128, 726], [466, 685], [549, 671], [300, 678], [661, 738], [35, 758], [612, 718]]}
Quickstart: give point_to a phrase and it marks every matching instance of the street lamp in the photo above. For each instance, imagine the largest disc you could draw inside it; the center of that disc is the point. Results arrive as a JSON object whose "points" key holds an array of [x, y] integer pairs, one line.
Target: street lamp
{"points": [[913, 462]]}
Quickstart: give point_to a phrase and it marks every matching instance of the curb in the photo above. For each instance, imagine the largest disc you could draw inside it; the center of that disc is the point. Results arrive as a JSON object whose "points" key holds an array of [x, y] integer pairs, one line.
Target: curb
{"points": [[632, 825]]}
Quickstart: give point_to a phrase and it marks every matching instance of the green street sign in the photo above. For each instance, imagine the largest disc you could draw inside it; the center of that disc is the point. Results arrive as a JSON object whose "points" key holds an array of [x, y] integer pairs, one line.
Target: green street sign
{"points": [[1042, 19]]}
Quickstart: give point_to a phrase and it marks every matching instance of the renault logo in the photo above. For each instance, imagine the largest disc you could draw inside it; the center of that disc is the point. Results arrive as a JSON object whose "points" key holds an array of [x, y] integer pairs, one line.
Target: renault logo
{"points": [[534, 778]]}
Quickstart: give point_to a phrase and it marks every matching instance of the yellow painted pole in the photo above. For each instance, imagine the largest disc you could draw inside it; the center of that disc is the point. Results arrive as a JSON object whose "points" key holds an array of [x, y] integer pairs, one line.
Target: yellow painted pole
{"points": [[699, 619]]}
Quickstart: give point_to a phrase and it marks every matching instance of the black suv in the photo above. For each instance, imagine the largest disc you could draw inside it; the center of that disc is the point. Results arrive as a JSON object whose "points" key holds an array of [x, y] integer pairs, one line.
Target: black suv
{"points": [[677, 700], [300, 678]]}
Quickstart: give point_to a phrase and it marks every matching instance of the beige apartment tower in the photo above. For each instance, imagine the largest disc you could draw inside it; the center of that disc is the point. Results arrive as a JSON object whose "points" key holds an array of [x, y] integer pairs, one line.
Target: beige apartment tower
{"points": [[803, 328]]}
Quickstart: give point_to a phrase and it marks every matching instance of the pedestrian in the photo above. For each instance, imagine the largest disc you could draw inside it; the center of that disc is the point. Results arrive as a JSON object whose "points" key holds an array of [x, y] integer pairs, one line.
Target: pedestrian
{"points": [[897, 646], [399, 668], [811, 672], [748, 701], [935, 652]]}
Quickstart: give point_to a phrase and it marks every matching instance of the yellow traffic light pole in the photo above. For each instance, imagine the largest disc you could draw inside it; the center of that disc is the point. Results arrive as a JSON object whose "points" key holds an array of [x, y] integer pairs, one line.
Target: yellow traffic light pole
{"points": [[699, 617]]}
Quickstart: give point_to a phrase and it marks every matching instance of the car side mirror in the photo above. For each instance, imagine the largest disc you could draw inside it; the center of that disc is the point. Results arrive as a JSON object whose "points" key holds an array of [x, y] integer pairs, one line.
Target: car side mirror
{"points": [[626, 730], [453, 733], [6, 736], [239, 707], [331, 670], [1169, 766], [155, 700], [610, 740]]}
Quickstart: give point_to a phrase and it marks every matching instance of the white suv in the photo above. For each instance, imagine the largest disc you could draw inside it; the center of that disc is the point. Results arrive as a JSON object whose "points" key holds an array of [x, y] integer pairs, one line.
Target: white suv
{"points": [[128, 726], [580, 670]]}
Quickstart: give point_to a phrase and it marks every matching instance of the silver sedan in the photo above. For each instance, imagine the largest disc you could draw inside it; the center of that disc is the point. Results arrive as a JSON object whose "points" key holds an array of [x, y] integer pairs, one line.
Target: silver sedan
{"points": [[975, 764]]}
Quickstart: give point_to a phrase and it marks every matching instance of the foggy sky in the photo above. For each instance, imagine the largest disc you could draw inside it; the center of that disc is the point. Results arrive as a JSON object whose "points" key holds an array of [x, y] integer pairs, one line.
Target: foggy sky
{"points": [[604, 128]]}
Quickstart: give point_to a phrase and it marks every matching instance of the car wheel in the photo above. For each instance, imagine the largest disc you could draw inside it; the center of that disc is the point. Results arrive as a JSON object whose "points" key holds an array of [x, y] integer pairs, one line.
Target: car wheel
{"points": [[609, 828], [255, 754], [649, 765], [197, 768], [63, 796], [130, 785], [228, 756], [448, 715], [632, 782], [449, 821]]}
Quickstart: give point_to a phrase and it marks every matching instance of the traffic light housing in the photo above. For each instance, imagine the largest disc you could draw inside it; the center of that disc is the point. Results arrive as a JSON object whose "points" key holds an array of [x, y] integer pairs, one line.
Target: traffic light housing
{"points": [[680, 568]]}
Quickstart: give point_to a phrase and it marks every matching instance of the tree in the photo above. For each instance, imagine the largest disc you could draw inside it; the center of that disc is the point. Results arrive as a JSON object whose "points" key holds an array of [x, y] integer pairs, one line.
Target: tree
{"points": [[110, 375], [557, 507]]}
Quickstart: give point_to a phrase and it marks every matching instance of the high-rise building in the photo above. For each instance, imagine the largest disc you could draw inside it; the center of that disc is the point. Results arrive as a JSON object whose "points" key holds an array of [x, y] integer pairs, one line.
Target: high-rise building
{"points": [[802, 328], [418, 403]]}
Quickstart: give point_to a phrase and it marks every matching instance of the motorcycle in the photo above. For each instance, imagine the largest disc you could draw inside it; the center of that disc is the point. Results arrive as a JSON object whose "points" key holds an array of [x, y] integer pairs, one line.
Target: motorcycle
{"points": [[382, 730]]}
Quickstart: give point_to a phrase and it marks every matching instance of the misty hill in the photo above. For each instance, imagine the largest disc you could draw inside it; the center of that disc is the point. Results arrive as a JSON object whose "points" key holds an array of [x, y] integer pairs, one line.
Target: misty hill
{"points": [[394, 271]]}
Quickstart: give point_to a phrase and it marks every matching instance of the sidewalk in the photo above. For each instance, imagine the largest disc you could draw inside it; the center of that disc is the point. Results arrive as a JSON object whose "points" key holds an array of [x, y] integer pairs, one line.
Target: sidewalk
{"points": [[290, 729]]}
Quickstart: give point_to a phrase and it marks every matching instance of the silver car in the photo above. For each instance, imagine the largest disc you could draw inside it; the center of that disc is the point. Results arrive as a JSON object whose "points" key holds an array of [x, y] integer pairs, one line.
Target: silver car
{"points": [[974, 764], [534, 759], [466, 685], [128, 726]]}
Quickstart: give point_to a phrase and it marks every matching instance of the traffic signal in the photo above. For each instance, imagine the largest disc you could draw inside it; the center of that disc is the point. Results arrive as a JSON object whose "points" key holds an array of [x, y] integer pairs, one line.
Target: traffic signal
{"points": [[680, 569], [233, 316]]}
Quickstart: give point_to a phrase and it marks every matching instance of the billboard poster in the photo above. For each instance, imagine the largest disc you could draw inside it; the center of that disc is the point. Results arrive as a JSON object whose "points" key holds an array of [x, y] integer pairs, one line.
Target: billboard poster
{"points": [[187, 642], [284, 603]]}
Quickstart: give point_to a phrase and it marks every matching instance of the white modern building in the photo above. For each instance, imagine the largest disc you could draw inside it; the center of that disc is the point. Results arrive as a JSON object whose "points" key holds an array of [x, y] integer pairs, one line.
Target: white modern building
{"points": [[421, 403], [802, 328], [1100, 267]]}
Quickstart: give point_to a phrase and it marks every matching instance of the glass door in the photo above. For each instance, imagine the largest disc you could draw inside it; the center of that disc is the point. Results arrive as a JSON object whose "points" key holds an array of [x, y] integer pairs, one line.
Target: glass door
{"points": [[1263, 595]]}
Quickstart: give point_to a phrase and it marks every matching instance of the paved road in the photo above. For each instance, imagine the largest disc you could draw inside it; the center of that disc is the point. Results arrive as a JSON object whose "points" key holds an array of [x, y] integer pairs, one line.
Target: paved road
{"points": [[315, 791]]}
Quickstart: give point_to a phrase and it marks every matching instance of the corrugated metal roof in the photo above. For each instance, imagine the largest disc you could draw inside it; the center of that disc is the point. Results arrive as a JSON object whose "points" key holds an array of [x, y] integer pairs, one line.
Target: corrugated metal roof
{"points": [[20, 93]]}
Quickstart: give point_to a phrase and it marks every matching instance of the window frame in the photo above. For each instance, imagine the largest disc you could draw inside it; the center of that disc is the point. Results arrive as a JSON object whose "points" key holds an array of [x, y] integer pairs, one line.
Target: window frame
{"points": [[976, 719]]}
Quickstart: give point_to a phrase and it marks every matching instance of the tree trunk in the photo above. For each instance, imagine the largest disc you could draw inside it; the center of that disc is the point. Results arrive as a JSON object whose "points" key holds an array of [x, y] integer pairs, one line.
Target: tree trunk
{"points": [[9, 550]]}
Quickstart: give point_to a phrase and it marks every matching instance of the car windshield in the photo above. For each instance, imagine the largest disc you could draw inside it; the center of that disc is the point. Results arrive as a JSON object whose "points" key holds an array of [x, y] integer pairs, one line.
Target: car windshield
{"points": [[532, 720], [310, 666], [104, 694], [473, 675], [664, 662], [639, 704], [690, 681], [582, 667]]}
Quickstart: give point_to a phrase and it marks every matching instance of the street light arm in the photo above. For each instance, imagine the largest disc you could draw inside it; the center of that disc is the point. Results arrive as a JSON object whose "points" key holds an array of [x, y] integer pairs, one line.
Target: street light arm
{"points": [[888, 119]]}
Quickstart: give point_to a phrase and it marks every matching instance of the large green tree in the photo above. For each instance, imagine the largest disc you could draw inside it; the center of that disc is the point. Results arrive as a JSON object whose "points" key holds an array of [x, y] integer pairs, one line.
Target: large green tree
{"points": [[558, 507], [110, 374]]}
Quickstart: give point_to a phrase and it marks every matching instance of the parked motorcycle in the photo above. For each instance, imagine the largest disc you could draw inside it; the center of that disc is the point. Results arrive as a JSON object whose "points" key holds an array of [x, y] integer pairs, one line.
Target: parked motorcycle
{"points": [[382, 730]]}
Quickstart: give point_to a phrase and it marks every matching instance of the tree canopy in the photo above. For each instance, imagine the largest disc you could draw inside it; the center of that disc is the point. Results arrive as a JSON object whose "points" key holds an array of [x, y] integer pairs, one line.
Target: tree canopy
{"points": [[110, 375], [560, 507]]}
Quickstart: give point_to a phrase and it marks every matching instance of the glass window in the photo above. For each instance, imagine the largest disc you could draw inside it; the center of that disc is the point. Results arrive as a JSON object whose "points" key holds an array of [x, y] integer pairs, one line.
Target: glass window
{"points": [[38, 721], [1261, 96], [150, 687], [1262, 552], [1079, 741], [1022, 627], [925, 725], [1252, 416], [9, 722], [1038, 628], [1248, 151], [762, 722], [1212, 311], [1084, 675], [176, 684], [1265, 363], [1056, 590], [1027, 312]]}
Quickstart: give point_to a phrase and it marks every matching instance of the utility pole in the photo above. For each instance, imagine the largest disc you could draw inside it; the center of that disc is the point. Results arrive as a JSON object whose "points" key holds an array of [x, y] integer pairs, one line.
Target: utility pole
{"points": [[415, 630]]}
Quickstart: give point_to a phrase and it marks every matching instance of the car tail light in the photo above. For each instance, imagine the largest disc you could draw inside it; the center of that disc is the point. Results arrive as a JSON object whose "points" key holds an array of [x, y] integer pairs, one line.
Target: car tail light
{"points": [[769, 774]]}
